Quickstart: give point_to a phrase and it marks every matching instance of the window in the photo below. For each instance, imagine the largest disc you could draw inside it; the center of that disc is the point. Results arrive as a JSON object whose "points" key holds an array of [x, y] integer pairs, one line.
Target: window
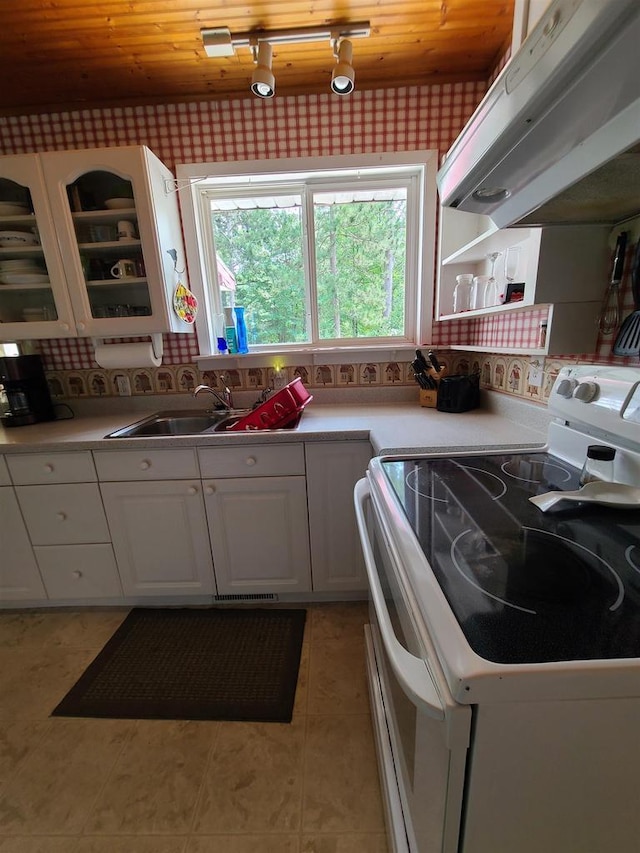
{"points": [[319, 258]]}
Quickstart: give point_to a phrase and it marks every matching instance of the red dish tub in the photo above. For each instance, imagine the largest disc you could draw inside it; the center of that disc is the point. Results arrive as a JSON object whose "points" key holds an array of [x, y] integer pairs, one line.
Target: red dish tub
{"points": [[281, 411]]}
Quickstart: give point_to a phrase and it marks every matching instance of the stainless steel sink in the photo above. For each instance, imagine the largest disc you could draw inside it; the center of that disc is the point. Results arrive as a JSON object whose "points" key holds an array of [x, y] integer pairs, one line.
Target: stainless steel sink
{"points": [[226, 423], [179, 422]]}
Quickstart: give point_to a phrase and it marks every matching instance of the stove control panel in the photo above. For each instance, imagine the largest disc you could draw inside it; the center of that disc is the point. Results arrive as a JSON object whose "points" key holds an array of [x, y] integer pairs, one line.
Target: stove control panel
{"points": [[603, 397]]}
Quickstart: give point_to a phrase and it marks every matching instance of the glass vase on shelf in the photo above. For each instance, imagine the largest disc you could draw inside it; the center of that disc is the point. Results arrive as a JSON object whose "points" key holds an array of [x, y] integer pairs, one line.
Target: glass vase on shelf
{"points": [[478, 292], [490, 294], [462, 293], [241, 330], [511, 263]]}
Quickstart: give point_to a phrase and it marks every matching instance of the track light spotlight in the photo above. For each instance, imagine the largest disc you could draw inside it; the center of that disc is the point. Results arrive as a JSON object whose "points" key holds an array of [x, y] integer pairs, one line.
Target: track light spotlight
{"points": [[343, 76], [221, 42], [263, 83]]}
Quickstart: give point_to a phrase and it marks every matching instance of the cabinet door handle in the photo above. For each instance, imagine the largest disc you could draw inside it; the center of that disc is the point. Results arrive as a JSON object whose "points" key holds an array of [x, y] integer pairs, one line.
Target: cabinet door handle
{"points": [[145, 465], [192, 490], [61, 516], [209, 490], [77, 574], [49, 468], [81, 327], [250, 460]]}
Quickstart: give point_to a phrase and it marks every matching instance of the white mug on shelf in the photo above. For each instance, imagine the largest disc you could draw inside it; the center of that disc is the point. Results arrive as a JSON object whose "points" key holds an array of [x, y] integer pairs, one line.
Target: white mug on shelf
{"points": [[124, 269], [126, 230]]}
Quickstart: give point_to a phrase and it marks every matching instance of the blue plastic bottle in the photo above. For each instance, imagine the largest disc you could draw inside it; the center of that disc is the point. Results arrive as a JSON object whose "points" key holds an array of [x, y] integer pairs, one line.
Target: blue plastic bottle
{"points": [[241, 330]]}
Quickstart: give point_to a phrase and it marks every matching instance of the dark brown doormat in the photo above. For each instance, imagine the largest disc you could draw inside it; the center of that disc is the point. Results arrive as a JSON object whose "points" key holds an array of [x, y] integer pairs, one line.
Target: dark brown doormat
{"points": [[194, 664]]}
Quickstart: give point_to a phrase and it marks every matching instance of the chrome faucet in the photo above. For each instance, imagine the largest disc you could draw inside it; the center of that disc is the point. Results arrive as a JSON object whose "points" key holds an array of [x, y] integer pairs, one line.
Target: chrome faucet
{"points": [[223, 397]]}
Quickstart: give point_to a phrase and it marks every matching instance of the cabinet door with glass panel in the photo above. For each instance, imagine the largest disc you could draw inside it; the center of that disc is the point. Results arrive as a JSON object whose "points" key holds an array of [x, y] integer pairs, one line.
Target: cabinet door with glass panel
{"points": [[119, 231], [34, 300]]}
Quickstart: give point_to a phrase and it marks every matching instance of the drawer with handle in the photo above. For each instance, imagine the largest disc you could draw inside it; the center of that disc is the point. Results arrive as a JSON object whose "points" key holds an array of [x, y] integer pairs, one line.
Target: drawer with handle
{"points": [[63, 514], [273, 460], [34, 468], [78, 571], [146, 464]]}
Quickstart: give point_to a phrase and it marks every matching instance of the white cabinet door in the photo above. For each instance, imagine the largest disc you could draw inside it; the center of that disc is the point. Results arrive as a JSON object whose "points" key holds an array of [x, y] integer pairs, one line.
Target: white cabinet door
{"points": [[333, 468], [160, 537], [111, 283], [19, 576], [33, 283], [259, 534], [118, 284]]}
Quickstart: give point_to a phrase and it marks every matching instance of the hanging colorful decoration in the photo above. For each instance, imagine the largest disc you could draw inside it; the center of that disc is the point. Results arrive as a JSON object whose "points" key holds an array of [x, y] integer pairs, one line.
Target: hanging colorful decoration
{"points": [[185, 303]]}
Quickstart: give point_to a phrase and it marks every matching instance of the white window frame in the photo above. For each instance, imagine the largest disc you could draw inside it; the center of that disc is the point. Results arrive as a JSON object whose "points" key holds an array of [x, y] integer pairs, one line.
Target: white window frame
{"points": [[192, 181]]}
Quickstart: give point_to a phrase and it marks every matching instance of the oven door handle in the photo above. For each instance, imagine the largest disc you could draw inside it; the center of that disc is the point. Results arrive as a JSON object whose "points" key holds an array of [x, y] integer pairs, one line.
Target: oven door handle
{"points": [[412, 673]]}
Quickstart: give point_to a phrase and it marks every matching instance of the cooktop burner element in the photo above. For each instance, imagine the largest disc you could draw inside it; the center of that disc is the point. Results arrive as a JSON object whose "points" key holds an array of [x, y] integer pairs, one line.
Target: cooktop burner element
{"points": [[536, 574], [535, 470], [524, 586]]}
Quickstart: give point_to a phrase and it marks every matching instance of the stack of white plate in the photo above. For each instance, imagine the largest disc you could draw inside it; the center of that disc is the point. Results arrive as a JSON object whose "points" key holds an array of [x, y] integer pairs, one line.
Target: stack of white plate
{"points": [[17, 239], [22, 271], [13, 208]]}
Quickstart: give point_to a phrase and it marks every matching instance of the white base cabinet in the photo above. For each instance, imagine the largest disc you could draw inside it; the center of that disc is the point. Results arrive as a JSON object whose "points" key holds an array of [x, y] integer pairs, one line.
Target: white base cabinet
{"points": [[62, 509], [333, 468], [19, 576], [256, 500], [166, 524], [160, 537], [259, 534]]}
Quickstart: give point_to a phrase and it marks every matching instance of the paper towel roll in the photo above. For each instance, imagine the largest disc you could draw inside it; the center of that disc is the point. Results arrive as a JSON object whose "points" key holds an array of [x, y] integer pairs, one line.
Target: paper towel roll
{"points": [[127, 355]]}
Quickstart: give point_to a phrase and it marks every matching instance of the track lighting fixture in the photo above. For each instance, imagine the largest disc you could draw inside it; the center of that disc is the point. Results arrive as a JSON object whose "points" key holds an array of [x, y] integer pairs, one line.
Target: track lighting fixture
{"points": [[343, 75], [263, 83], [220, 41]]}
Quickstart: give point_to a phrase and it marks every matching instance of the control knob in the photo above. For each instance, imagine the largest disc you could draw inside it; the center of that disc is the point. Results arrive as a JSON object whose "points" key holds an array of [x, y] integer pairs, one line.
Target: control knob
{"points": [[566, 387], [586, 391]]}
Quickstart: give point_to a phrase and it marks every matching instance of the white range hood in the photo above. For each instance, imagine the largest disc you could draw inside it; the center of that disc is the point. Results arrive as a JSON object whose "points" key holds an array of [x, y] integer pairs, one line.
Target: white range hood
{"points": [[557, 137]]}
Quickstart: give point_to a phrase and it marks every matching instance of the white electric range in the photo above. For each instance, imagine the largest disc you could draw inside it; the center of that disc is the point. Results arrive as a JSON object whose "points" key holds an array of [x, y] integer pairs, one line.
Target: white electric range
{"points": [[504, 642]]}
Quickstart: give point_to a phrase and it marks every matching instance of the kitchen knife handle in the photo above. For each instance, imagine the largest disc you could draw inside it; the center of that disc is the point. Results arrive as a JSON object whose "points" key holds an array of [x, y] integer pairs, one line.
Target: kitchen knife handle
{"points": [[618, 262], [434, 361], [421, 360]]}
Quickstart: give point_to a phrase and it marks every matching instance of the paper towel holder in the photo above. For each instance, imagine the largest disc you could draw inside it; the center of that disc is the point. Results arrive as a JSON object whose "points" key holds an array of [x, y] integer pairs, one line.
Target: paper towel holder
{"points": [[157, 344]]}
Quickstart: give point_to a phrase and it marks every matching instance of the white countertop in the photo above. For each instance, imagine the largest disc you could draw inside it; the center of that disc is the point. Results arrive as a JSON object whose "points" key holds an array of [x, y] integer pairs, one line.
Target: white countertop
{"points": [[391, 427]]}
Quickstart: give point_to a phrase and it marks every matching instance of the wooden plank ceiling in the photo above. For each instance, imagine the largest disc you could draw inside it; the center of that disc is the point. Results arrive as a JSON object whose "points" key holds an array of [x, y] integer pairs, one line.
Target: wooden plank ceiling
{"points": [[70, 54]]}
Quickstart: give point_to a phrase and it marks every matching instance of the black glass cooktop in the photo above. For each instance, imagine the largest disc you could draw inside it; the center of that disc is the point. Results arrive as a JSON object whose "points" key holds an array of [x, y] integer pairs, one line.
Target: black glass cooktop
{"points": [[525, 586]]}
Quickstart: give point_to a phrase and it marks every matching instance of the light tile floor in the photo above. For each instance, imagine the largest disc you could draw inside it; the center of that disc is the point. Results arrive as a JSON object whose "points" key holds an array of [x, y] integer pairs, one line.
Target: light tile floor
{"points": [[126, 786]]}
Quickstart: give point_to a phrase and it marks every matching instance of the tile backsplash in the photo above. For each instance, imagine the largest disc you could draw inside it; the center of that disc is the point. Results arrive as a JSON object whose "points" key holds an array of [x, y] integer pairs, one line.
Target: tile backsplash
{"points": [[526, 377]]}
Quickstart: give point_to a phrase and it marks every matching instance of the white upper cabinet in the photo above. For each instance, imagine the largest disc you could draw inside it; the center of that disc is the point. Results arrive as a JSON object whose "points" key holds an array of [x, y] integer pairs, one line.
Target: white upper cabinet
{"points": [[563, 267], [107, 230], [32, 276]]}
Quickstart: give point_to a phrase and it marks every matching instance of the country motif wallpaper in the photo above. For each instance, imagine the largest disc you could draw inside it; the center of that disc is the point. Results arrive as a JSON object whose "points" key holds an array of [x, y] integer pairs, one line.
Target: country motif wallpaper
{"points": [[400, 119]]}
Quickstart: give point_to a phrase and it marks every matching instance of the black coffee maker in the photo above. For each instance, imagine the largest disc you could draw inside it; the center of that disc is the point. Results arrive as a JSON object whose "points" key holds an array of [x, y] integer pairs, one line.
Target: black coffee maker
{"points": [[27, 391]]}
